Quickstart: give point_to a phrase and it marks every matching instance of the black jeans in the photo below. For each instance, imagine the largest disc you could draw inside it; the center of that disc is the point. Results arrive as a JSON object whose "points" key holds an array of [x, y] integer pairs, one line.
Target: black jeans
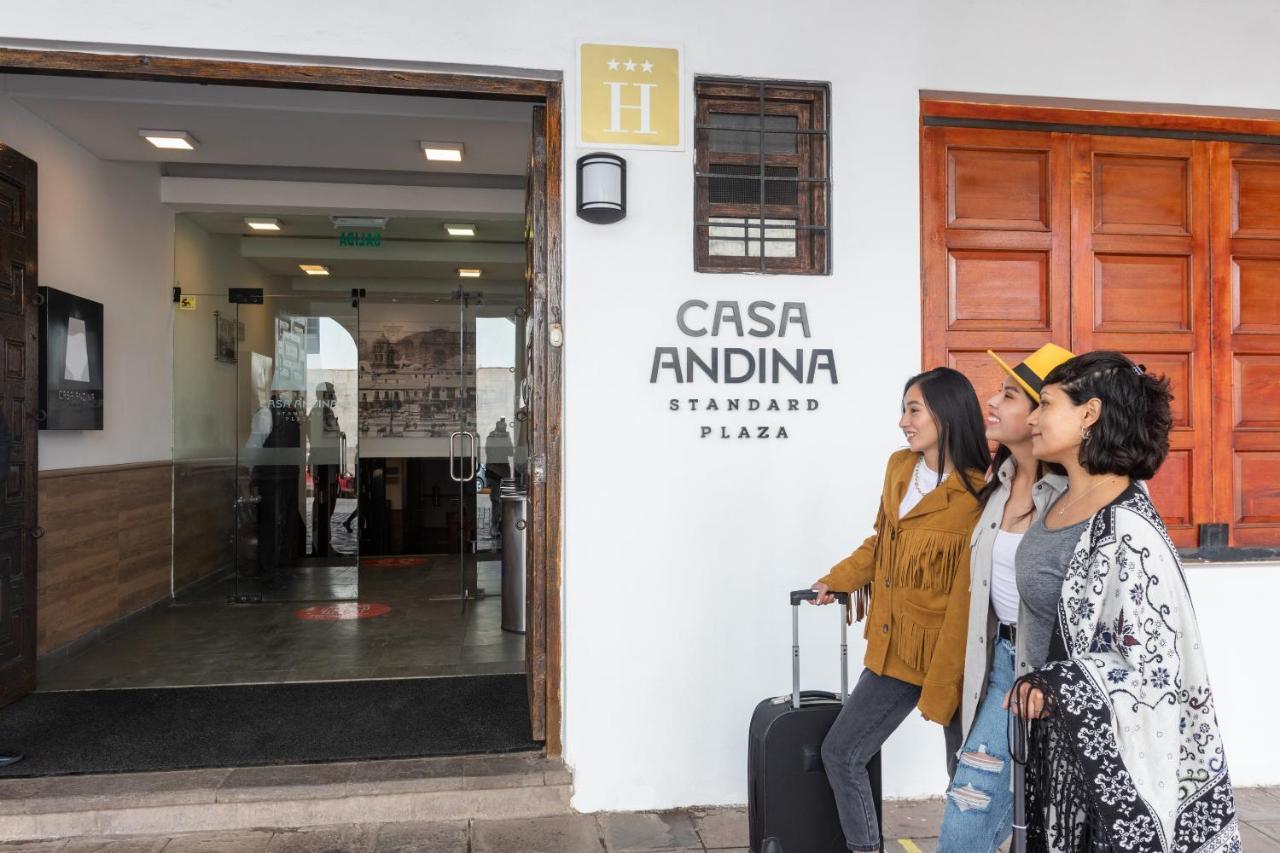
{"points": [[874, 710]]}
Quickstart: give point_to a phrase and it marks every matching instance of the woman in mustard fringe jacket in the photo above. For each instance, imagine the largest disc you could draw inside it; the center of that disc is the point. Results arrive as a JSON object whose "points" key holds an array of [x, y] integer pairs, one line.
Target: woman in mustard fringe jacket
{"points": [[911, 582]]}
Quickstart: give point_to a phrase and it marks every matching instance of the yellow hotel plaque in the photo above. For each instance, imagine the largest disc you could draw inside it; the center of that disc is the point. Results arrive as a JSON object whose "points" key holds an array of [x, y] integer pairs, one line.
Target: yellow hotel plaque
{"points": [[629, 96]]}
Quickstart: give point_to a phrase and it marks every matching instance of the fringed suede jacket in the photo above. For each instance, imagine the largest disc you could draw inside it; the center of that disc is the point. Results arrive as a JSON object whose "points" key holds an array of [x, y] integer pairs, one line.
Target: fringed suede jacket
{"points": [[1129, 758], [911, 581]]}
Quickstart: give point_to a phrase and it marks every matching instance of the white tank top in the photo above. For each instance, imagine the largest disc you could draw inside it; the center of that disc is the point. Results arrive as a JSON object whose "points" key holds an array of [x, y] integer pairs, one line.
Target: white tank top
{"points": [[1004, 577]]}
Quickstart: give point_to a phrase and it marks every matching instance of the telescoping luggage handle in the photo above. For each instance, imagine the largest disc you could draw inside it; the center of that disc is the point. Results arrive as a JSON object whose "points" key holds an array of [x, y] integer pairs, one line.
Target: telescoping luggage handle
{"points": [[797, 596]]}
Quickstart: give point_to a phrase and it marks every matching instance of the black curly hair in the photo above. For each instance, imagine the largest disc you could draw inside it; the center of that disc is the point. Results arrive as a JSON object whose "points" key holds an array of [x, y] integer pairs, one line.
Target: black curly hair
{"points": [[1131, 436]]}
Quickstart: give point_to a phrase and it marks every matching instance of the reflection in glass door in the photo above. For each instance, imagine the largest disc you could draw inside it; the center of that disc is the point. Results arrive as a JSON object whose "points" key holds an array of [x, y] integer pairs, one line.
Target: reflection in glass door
{"points": [[437, 431], [296, 414]]}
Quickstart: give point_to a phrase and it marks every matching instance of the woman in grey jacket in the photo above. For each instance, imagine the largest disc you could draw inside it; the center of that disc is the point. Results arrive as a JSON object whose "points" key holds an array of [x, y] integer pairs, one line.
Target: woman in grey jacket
{"points": [[979, 812]]}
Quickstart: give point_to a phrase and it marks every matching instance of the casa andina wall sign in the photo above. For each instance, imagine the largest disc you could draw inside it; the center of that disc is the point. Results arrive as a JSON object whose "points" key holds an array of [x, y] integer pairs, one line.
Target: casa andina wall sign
{"points": [[762, 381]]}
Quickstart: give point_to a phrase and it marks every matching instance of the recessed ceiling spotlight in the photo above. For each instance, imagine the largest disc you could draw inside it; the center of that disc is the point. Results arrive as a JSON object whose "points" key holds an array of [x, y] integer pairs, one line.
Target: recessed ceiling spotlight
{"points": [[468, 273], [314, 269], [174, 140], [368, 223], [258, 223], [447, 152], [461, 230]]}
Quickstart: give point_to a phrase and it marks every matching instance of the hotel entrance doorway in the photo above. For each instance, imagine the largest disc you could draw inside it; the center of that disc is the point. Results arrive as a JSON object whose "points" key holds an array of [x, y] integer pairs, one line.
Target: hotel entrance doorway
{"points": [[285, 562]]}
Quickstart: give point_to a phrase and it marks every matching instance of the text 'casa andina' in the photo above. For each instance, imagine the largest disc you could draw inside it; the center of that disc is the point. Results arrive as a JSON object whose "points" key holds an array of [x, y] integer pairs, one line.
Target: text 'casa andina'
{"points": [[744, 364]]}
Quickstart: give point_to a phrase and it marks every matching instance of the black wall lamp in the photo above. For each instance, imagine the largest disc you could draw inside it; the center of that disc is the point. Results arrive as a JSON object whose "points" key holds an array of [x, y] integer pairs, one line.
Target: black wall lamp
{"points": [[602, 188]]}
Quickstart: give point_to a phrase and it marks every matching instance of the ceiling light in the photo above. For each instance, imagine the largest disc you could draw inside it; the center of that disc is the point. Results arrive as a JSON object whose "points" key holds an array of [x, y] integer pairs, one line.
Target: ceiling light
{"points": [[449, 152], [467, 273], [176, 140], [314, 269], [369, 223], [461, 230], [262, 224]]}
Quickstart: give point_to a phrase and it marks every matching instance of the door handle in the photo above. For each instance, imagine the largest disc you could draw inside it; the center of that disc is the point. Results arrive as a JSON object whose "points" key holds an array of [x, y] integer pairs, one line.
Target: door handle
{"points": [[453, 456], [471, 438], [37, 532]]}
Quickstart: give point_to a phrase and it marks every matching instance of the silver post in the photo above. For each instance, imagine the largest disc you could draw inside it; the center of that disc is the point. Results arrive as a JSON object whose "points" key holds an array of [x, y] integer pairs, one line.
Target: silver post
{"points": [[844, 654], [1019, 784], [795, 656]]}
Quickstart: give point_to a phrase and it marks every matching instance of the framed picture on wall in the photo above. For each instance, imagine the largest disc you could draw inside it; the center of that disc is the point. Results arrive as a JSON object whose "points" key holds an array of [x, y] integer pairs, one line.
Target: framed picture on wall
{"points": [[71, 362], [224, 338]]}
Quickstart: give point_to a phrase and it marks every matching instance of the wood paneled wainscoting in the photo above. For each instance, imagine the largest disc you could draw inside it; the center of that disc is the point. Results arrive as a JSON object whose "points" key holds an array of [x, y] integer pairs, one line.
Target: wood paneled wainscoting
{"points": [[107, 548], [203, 520]]}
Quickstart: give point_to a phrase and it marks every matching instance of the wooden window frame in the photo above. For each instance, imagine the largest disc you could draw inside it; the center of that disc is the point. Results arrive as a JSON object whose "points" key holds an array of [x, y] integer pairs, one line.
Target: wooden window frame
{"points": [[809, 103]]}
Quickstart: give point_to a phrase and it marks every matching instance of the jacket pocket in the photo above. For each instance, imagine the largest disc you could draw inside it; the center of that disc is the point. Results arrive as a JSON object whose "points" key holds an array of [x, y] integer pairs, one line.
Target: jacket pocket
{"points": [[916, 633]]}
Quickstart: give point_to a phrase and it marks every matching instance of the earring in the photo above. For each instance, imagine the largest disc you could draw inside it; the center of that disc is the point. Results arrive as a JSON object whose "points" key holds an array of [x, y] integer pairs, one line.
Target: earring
{"points": [[1085, 432]]}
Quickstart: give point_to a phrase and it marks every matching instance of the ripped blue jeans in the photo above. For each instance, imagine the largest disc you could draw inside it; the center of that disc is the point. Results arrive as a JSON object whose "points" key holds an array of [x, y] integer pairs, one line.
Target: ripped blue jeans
{"points": [[979, 815]]}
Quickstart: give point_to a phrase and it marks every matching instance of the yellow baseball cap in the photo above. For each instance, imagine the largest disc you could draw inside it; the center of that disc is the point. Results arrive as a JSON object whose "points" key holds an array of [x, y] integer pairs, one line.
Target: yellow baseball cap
{"points": [[1032, 370]]}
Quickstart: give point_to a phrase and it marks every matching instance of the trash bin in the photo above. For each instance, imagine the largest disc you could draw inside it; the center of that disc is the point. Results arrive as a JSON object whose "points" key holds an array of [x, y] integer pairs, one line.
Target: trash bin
{"points": [[515, 529]]}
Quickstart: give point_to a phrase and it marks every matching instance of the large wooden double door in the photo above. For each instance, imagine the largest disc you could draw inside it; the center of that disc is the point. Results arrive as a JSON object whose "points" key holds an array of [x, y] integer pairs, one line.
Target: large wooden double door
{"points": [[1167, 249], [18, 427]]}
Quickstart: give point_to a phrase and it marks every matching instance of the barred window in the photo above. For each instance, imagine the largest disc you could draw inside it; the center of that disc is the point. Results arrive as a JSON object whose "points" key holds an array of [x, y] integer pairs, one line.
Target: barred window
{"points": [[763, 192]]}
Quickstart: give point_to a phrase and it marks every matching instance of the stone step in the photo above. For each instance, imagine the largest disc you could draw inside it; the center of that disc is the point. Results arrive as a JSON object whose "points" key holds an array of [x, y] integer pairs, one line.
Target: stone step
{"points": [[518, 785]]}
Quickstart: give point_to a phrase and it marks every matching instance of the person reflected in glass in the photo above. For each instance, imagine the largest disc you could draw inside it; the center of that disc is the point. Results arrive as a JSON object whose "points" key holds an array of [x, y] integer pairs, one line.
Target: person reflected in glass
{"points": [[498, 450], [325, 438]]}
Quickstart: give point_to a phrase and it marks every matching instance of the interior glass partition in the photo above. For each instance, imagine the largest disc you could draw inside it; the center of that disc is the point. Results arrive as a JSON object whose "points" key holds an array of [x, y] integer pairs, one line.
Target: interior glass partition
{"points": [[204, 446], [265, 448], [297, 363]]}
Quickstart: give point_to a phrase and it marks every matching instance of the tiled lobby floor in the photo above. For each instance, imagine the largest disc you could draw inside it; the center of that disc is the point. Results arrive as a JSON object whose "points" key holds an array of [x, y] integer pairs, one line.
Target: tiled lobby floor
{"points": [[216, 643]]}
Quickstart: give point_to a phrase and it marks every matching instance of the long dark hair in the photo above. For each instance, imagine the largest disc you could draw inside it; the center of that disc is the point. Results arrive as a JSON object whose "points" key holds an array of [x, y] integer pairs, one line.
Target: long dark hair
{"points": [[961, 435]]}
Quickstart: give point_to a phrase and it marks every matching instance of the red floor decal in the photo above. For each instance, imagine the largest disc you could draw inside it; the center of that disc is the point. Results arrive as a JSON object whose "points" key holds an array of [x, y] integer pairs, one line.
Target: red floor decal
{"points": [[385, 562], [342, 610]]}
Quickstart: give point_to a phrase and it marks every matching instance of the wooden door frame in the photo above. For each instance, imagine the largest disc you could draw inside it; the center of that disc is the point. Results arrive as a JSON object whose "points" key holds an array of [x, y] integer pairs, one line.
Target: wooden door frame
{"points": [[547, 440]]}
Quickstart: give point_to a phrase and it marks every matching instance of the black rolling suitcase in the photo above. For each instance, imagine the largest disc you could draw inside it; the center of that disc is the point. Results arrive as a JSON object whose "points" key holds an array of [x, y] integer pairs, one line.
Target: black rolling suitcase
{"points": [[790, 805]]}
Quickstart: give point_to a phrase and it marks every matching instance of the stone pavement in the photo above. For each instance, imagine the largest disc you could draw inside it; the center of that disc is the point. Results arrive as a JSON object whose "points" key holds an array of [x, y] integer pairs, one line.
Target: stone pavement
{"points": [[910, 825]]}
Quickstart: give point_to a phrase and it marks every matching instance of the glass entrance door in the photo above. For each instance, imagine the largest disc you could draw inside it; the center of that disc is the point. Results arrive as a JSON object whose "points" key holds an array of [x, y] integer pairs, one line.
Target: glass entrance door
{"points": [[438, 380], [418, 433], [296, 405]]}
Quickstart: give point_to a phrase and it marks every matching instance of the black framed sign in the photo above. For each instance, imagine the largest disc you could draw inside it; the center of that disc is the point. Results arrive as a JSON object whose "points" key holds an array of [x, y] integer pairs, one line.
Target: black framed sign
{"points": [[71, 364]]}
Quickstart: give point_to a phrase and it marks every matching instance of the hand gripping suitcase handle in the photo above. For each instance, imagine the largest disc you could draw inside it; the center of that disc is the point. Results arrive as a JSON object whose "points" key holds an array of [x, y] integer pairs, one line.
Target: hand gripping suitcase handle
{"points": [[797, 596]]}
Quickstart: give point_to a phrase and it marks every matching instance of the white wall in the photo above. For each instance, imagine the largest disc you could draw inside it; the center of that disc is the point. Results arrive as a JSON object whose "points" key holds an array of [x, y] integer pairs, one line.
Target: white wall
{"points": [[104, 235], [677, 551]]}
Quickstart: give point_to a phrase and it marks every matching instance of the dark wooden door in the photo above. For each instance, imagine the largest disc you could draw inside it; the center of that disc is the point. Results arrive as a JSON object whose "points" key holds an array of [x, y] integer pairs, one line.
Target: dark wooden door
{"points": [[18, 389], [1091, 242], [534, 410], [1246, 353], [1140, 285], [996, 233]]}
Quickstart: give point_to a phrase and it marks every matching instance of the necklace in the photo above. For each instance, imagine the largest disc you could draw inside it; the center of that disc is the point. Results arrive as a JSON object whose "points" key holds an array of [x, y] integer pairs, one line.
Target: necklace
{"points": [[915, 477], [1074, 501]]}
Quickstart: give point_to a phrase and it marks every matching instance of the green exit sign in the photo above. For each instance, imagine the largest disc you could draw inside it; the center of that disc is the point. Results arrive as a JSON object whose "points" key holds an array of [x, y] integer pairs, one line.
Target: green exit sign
{"points": [[360, 238]]}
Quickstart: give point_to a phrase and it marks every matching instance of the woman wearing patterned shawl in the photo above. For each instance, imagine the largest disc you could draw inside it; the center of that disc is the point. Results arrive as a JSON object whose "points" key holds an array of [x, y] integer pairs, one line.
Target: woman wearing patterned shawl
{"points": [[1123, 751]]}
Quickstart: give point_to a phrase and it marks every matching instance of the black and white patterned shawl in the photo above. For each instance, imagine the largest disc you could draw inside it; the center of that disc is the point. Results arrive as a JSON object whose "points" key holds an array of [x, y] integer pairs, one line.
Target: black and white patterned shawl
{"points": [[1130, 757]]}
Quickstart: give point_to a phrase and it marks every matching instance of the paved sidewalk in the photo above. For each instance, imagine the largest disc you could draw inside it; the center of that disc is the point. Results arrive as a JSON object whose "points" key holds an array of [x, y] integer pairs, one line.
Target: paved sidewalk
{"points": [[910, 825]]}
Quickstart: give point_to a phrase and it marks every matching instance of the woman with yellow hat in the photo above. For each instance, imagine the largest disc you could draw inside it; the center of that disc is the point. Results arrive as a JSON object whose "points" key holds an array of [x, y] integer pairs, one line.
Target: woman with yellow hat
{"points": [[980, 801]]}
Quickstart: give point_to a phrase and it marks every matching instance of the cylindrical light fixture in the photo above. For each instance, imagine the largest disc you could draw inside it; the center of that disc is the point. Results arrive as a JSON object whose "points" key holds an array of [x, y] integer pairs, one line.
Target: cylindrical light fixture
{"points": [[602, 188]]}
